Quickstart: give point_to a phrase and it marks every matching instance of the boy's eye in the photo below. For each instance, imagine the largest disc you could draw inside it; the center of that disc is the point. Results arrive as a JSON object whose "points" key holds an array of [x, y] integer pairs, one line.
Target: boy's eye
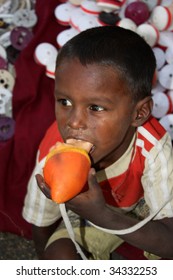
{"points": [[96, 108], [65, 102]]}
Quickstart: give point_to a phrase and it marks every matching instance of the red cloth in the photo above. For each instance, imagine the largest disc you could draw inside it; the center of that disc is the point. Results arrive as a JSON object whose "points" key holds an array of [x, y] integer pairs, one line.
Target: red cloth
{"points": [[33, 111]]}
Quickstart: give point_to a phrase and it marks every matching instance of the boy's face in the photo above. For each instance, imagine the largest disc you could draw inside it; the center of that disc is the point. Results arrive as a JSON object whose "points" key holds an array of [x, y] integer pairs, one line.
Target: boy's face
{"points": [[91, 105]]}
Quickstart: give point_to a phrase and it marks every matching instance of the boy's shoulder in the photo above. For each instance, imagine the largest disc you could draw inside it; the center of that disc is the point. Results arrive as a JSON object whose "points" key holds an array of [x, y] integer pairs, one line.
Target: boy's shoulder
{"points": [[152, 132], [50, 138]]}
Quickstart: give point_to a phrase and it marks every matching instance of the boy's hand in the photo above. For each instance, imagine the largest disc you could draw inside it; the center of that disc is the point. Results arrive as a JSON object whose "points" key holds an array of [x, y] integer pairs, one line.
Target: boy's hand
{"points": [[42, 186], [90, 204]]}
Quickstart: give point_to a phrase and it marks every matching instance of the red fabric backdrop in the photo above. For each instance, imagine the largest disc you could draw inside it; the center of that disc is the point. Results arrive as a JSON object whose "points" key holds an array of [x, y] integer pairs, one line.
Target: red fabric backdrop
{"points": [[33, 111]]}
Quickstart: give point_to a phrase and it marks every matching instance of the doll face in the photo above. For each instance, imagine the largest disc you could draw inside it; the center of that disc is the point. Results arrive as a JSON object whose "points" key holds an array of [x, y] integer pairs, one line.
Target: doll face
{"points": [[93, 104]]}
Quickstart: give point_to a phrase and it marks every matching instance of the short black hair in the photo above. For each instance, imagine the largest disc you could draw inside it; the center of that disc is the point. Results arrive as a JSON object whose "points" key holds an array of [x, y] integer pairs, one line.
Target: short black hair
{"points": [[120, 48]]}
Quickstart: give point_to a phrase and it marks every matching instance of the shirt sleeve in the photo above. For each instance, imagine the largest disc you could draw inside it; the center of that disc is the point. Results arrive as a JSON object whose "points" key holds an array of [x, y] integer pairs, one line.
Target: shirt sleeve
{"points": [[38, 209], [158, 178]]}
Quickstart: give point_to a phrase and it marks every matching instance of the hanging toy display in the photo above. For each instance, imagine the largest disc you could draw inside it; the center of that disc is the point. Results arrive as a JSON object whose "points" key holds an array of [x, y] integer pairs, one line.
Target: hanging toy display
{"points": [[152, 20], [17, 18]]}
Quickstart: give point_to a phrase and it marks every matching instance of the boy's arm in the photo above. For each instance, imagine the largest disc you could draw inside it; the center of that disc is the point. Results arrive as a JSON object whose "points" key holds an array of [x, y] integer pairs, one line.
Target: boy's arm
{"points": [[154, 237], [40, 237]]}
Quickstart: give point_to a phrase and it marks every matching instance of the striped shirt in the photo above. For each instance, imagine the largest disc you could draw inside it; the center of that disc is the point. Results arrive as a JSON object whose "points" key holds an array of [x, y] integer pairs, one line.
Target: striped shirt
{"points": [[139, 182]]}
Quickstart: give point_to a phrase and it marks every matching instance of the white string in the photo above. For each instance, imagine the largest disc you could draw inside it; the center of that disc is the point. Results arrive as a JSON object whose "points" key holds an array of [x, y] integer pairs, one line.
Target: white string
{"points": [[135, 227], [117, 232]]}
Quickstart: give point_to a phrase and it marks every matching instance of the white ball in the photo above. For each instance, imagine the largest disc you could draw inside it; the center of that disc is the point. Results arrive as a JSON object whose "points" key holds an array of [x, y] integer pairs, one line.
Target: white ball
{"points": [[167, 123], [160, 105]]}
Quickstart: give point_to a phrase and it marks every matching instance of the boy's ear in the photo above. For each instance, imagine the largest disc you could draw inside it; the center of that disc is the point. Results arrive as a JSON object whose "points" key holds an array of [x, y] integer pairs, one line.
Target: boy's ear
{"points": [[142, 111]]}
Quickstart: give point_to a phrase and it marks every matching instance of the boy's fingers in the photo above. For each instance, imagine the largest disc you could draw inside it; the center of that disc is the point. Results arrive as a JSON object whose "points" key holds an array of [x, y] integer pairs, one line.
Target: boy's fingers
{"points": [[42, 186], [92, 181]]}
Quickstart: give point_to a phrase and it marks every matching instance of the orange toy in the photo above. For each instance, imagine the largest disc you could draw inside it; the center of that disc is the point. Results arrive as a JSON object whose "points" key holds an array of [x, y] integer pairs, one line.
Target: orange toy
{"points": [[66, 170]]}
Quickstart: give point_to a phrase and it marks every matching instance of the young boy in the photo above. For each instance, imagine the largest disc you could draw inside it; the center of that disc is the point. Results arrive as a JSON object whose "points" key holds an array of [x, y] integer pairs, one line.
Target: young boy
{"points": [[103, 87]]}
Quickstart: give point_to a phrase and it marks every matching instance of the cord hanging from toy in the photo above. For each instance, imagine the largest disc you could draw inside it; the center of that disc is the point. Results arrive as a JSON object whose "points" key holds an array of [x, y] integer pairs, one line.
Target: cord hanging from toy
{"points": [[117, 232]]}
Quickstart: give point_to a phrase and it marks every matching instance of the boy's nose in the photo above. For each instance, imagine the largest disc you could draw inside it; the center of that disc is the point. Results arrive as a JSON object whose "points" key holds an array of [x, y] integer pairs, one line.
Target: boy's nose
{"points": [[77, 120]]}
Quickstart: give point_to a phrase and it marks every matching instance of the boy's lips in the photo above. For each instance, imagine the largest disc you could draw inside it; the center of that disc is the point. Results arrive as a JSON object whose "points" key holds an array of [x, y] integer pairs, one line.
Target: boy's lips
{"points": [[87, 146]]}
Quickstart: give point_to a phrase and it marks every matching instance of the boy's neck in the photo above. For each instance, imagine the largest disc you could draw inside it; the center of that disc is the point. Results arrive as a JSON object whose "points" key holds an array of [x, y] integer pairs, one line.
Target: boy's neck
{"points": [[117, 153]]}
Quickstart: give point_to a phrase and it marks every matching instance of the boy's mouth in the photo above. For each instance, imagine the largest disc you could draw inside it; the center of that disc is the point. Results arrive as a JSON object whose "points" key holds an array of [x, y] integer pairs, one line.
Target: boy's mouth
{"points": [[87, 146]]}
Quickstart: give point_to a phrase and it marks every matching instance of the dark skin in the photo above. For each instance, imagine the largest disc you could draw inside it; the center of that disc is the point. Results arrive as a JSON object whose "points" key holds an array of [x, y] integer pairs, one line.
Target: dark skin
{"points": [[95, 106]]}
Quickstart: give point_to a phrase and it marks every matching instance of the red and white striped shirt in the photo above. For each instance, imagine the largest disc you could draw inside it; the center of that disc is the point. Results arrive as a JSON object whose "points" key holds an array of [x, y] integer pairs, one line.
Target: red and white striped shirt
{"points": [[143, 173]]}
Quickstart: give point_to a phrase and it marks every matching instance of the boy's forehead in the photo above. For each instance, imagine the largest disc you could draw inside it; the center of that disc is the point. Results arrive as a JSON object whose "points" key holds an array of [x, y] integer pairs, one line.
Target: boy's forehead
{"points": [[92, 80], [70, 69], [95, 74], [68, 63]]}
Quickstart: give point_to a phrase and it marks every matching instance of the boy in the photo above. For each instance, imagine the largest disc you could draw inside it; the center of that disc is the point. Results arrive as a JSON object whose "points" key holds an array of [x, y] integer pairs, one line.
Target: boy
{"points": [[103, 95]]}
